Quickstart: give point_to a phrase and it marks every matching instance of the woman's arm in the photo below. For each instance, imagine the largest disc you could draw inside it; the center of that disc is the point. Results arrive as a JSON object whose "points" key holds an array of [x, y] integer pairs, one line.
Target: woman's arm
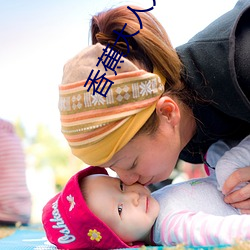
{"points": [[233, 175], [240, 198], [237, 157]]}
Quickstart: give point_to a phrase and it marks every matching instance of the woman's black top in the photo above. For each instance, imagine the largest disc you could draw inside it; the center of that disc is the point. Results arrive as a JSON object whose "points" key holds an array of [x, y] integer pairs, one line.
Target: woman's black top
{"points": [[217, 67]]}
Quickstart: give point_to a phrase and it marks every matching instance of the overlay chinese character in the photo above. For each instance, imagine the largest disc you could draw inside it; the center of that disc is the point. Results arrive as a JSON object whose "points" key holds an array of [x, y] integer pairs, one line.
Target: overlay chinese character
{"points": [[95, 81], [112, 59], [124, 36], [139, 19]]}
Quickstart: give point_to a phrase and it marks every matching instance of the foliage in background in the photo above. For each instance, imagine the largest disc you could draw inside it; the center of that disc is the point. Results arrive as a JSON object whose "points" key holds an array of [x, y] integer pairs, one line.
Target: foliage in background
{"points": [[45, 150]]}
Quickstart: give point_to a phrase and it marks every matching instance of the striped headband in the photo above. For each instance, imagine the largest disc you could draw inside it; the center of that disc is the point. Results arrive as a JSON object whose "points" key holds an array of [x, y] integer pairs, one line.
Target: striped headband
{"points": [[96, 127]]}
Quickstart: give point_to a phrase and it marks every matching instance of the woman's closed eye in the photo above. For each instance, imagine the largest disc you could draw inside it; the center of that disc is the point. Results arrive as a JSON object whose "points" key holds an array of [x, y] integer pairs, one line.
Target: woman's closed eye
{"points": [[120, 206], [121, 186]]}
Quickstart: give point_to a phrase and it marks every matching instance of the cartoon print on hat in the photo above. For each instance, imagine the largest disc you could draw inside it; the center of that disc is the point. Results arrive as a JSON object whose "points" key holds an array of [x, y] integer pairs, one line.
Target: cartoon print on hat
{"points": [[70, 198], [94, 235]]}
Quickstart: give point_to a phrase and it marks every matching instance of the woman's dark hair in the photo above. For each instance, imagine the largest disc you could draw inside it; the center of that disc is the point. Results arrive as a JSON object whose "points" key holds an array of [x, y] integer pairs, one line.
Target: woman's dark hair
{"points": [[150, 48]]}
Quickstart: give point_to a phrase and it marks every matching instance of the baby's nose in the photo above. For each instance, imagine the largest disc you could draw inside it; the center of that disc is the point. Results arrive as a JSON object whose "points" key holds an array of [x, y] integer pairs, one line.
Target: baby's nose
{"points": [[133, 197]]}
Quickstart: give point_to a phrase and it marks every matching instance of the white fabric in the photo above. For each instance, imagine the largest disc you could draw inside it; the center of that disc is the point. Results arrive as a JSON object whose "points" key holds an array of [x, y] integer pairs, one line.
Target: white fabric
{"points": [[194, 212]]}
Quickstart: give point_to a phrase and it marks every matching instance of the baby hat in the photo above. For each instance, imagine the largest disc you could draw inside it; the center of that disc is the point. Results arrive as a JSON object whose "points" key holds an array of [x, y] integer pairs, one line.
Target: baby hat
{"points": [[69, 223]]}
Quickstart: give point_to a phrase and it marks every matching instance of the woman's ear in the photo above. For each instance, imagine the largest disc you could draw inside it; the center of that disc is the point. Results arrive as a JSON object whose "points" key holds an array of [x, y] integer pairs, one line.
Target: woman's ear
{"points": [[168, 110]]}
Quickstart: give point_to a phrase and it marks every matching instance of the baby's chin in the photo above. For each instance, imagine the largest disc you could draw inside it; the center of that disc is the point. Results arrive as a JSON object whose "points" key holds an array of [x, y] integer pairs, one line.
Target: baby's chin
{"points": [[153, 209]]}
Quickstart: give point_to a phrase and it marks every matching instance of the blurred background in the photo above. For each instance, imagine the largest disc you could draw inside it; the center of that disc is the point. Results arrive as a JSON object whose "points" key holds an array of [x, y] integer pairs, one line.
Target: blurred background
{"points": [[36, 39]]}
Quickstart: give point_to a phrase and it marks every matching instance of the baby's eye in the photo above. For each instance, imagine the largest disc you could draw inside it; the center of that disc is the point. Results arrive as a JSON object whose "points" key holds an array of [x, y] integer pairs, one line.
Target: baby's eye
{"points": [[120, 206], [121, 185]]}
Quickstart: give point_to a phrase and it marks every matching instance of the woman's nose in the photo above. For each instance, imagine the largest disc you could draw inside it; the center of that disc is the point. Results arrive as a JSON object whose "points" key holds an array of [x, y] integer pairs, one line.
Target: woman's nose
{"points": [[126, 177]]}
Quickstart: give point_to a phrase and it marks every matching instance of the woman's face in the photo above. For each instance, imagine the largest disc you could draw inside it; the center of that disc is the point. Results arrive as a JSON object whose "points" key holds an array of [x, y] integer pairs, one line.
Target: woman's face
{"points": [[147, 159]]}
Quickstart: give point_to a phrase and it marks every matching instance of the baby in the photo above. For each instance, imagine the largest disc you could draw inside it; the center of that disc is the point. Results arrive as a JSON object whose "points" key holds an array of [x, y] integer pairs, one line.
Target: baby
{"points": [[96, 211]]}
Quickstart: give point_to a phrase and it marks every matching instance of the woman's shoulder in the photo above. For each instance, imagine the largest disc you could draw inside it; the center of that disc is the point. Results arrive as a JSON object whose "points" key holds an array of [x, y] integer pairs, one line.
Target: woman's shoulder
{"points": [[209, 65]]}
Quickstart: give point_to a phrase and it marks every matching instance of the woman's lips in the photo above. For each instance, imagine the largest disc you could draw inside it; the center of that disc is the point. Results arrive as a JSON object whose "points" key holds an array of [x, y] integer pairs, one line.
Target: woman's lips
{"points": [[148, 183]]}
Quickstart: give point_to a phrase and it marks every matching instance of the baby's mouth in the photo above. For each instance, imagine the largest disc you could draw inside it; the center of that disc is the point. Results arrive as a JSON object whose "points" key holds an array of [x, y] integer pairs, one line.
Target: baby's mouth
{"points": [[147, 203]]}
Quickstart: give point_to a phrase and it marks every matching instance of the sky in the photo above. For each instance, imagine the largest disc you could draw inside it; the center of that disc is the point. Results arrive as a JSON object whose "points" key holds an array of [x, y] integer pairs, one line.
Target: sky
{"points": [[38, 37]]}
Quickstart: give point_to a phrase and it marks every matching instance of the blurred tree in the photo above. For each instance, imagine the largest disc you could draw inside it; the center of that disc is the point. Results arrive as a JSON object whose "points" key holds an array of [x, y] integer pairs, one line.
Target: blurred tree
{"points": [[20, 130], [45, 150]]}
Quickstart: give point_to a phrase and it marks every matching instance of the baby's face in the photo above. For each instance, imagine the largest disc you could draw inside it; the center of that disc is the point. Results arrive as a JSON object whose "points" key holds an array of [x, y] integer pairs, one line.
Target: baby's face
{"points": [[130, 211]]}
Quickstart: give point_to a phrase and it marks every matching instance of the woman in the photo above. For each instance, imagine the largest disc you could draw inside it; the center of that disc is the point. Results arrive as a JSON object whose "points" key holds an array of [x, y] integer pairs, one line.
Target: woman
{"points": [[140, 125]]}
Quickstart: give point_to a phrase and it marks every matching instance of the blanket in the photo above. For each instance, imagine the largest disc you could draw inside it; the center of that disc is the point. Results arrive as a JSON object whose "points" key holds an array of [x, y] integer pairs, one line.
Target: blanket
{"points": [[33, 237]]}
